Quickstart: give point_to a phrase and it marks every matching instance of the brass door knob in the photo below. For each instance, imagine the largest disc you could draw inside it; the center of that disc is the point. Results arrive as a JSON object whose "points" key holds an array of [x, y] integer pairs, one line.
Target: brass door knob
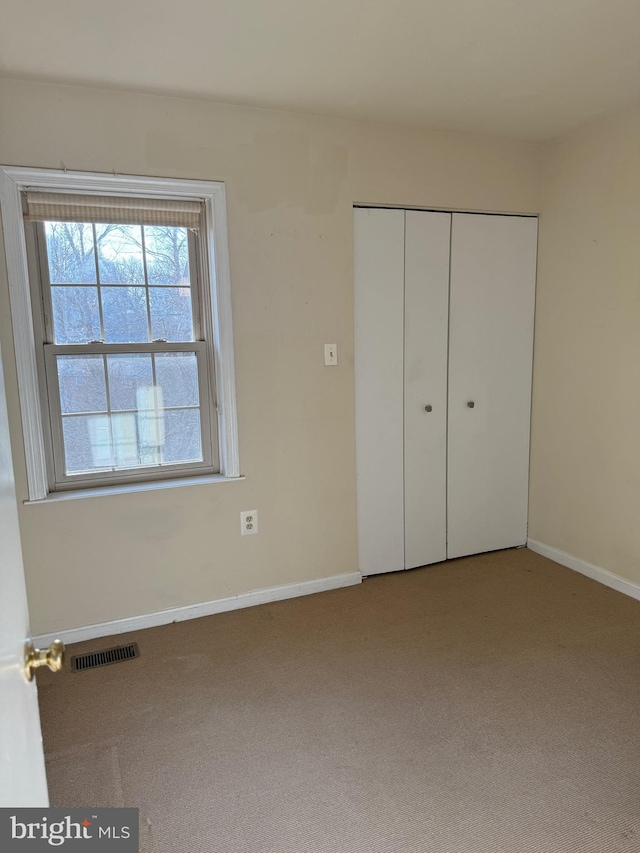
{"points": [[51, 657]]}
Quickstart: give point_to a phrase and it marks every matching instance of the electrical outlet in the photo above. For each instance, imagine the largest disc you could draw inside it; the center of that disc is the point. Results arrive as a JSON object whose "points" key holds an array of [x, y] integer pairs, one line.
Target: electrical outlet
{"points": [[330, 355], [249, 522]]}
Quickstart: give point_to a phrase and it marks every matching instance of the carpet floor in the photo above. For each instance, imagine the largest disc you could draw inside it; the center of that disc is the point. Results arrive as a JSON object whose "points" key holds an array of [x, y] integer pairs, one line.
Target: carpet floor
{"points": [[486, 705]]}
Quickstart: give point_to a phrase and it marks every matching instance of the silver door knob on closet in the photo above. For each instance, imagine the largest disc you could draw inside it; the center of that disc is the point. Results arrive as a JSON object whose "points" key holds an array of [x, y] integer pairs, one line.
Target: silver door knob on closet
{"points": [[428, 408], [471, 404]]}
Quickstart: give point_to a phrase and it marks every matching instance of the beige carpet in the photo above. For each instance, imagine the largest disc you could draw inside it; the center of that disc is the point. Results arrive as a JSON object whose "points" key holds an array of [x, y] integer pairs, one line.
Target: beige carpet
{"points": [[488, 705]]}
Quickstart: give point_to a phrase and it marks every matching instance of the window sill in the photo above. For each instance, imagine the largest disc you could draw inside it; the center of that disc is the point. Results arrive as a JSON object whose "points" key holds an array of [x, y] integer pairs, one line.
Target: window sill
{"points": [[127, 488]]}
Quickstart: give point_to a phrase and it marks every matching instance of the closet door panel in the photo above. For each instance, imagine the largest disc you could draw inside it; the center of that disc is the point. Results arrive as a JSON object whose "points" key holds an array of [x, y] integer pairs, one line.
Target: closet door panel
{"points": [[427, 240], [493, 265], [379, 321]]}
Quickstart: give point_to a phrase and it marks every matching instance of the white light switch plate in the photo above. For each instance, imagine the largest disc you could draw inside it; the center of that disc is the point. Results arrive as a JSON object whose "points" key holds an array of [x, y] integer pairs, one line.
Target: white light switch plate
{"points": [[330, 355]]}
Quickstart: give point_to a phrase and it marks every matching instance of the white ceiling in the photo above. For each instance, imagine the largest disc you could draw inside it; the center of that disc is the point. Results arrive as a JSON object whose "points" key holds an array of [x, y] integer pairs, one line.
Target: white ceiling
{"points": [[531, 69]]}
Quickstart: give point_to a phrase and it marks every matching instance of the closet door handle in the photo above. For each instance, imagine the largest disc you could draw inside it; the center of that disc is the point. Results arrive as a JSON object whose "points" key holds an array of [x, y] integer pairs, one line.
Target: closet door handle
{"points": [[428, 408], [471, 404]]}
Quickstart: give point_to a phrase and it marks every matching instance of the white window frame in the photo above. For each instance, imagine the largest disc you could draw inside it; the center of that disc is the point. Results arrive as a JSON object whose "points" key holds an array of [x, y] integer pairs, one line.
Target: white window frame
{"points": [[215, 271]]}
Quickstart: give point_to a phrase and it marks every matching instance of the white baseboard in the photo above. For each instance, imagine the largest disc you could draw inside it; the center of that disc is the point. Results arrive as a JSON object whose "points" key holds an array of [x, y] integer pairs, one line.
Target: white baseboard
{"points": [[194, 611], [596, 573]]}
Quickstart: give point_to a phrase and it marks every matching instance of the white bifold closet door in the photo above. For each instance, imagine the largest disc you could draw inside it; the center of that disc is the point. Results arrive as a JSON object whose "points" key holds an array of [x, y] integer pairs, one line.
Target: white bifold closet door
{"points": [[426, 309], [444, 308], [379, 358], [493, 271], [401, 321]]}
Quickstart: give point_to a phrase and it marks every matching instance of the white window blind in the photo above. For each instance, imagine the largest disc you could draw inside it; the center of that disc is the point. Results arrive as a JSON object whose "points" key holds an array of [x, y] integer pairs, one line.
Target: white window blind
{"points": [[69, 207]]}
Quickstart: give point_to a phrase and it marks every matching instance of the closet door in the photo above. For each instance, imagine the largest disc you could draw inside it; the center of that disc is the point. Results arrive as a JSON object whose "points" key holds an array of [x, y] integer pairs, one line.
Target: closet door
{"points": [[426, 310], [493, 266], [379, 321]]}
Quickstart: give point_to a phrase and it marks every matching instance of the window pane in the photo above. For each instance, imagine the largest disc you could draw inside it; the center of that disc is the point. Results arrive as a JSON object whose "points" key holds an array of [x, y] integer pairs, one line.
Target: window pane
{"points": [[177, 375], [171, 317], [167, 255], [124, 314], [133, 441], [76, 319], [128, 450], [70, 253], [87, 443], [150, 423], [120, 254], [127, 374], [82, 386], [182, 438], [150, 435]]}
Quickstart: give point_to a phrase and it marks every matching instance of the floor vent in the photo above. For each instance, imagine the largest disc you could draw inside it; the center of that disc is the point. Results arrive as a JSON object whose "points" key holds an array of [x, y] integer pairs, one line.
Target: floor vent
{"points": [[104, 657]]}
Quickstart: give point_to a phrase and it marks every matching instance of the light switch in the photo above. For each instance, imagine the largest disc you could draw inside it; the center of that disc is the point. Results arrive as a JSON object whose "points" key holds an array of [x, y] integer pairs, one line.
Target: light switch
{"points": [[330, 355]]}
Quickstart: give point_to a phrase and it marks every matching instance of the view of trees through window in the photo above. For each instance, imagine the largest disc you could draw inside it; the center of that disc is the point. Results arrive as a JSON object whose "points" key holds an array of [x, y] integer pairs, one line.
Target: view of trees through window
{"points": [[124, 284], [144, 278]]}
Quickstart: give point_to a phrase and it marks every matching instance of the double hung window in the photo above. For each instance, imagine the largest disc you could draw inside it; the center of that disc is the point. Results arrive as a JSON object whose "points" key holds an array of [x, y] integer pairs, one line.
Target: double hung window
{"points": [[125, 337]]}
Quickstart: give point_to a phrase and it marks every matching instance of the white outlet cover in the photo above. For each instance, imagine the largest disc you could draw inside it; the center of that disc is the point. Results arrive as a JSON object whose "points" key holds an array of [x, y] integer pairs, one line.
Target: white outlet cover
{"points": [[249, 522]]}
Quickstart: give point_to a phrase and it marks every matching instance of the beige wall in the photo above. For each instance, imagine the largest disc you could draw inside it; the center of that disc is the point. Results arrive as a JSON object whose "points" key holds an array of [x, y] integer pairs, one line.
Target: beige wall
{"points": [[291, 182], [585, 463]]}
